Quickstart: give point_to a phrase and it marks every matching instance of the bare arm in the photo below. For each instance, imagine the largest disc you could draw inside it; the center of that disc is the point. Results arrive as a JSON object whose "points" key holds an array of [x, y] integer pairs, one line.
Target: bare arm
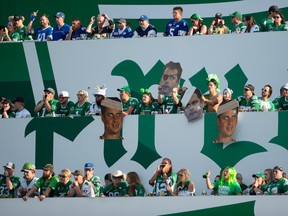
{"points": [[45, 194], [29, 193], [29, 27], [174, 95], [89, 27], [208, 182]]}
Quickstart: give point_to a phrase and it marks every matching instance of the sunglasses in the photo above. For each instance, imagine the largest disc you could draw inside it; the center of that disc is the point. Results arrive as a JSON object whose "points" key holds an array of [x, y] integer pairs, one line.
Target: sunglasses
{"points": [[277, 17], [119, 177], [265, 90], [61, 97], [180, 175], [246, 89], [62, 176], [80, 94]]}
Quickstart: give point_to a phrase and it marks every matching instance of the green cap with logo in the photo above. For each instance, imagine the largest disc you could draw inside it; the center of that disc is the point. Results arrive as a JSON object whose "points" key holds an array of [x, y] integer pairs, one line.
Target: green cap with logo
{"points": [[236, 14], [125, 88], [196, 16], [258, 174]]}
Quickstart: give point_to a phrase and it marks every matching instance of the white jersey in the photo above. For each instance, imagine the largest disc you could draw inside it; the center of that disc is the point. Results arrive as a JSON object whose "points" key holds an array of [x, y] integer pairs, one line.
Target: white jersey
{"points": [[24, 113], [87, 189], [24, 185], [95, 109]]}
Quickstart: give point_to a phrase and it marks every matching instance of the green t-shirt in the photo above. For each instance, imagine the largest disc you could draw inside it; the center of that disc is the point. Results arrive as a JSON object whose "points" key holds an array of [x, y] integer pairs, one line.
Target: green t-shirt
{"points": [[4, 192], [153, 108], [168, 103], [283, 103], [279, 187], [266, 105], [43, 185], [132, 102], [81, 110], [15, 37], [160, 184], [282, 27], [97, 185], [112, 191], [253, 103], [239, 28], [23, 34], [139, 190], [276, 102], [62, 189], [64, 110], [225, 189], [266, 25], [43, 112]]}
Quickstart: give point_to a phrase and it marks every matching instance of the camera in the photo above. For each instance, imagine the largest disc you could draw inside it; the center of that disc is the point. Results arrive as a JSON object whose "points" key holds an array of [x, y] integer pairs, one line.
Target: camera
{"points": [[218, 21]]}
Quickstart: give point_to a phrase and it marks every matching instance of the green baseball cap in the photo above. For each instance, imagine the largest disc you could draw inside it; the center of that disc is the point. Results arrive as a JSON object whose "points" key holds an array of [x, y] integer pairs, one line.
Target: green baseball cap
{"points": [[236, 14], [125, 88], [196, 16], [258, 174], [28, 167]]}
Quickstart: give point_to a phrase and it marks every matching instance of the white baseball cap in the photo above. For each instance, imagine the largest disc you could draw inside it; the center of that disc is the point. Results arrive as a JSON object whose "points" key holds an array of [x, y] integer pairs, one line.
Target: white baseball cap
{"points": [[64, 94]]}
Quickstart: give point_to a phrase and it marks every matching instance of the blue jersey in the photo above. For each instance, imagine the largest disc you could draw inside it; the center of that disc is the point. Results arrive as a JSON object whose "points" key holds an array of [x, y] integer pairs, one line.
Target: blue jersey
{"points": [[126, 33], [42, 34], [176, 29], [80, 34], [60, 34]]}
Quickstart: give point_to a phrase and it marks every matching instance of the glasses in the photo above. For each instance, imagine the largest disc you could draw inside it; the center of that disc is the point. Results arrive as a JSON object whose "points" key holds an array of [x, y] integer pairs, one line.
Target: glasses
{"points": [[171, 77], [61, 97], [277, 17], [180, 175], [10, 25], [80, 94], [62, 176], [246, 89], [265, 90], [119, 177]]}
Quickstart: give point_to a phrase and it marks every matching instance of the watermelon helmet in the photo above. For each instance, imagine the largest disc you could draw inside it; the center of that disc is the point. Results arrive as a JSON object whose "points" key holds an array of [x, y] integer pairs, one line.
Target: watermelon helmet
{"points": [[28, 167]]}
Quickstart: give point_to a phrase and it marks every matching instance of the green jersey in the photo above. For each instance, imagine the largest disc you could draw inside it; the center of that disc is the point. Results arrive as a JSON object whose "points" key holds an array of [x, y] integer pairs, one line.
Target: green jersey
{"points": [[266, 25], [253, 103], [225, 189], [43, 112], [112, 191], [43, 185], [132, 102], [97, 185], [138, 191], [81, 110], [282, 27], [152, 108], [266, 105], [279, 187], [184, 190], [283, 103], [239, 28], [13, 36], [62, 189], [276, 102], [64, 110], [169, 105], [160, 184], [4, 191], [23, 34]]}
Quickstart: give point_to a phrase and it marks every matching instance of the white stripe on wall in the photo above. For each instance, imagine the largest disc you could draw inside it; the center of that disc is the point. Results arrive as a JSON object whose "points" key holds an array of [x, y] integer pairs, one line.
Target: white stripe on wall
{"points": [[34, 70]]}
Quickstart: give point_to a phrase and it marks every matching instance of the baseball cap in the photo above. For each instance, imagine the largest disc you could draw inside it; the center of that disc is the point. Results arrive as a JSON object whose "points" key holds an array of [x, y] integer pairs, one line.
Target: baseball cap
{"points": [[28, 167], [64, 94], [10, 165], [51, 90], [118, 173], [237, 14], [251, 87], [78, 172], [89, 166], [143, 17], [285, 86], [49, 167], [19, 99], [125, 88], [278, 168], [17, 17], [196, 16], [258, 174], [121, 20], [60, 14]]}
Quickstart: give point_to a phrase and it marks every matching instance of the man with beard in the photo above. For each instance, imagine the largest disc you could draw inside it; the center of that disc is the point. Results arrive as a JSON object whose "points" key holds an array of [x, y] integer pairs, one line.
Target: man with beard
{"points": [[64, 107], [30, 179], [99, 95], [101, 30], [168, 88], [47, 184], [44, 32], [194, 108], [8, 182], [227, 121], [112, 117]]}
